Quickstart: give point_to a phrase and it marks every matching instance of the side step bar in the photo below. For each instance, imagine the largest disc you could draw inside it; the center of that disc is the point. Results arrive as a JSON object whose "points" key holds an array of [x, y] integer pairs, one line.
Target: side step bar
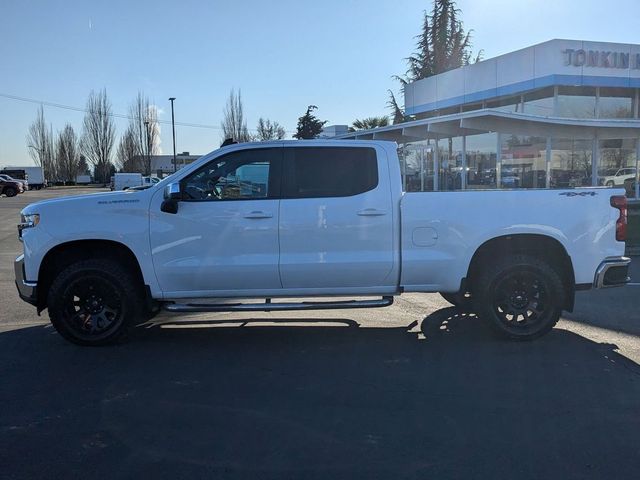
{"points": [[267, 306]]}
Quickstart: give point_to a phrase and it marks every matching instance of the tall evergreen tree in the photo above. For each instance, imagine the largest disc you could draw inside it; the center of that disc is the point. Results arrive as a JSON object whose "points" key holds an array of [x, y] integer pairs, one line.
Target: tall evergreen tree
{"points": [[442, 45], [309, 126]]}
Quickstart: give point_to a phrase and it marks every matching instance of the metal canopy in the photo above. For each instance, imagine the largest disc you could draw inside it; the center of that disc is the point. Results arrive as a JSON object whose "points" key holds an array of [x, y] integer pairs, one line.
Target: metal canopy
{"points": [[489, 120]]}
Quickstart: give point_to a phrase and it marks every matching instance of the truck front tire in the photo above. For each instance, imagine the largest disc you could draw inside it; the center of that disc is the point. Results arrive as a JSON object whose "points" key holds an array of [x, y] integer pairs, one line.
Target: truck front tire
{"points": [[93, 302], [520, 295]]}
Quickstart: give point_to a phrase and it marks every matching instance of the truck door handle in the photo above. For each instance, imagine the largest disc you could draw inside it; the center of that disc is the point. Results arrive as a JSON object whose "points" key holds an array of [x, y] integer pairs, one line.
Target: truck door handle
{"points": [[372, 212], [258, 214]]}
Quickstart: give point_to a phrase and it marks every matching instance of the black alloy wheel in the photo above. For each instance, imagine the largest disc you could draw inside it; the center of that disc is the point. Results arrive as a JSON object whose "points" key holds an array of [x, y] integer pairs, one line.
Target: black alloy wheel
{"points": [[521, 300], [521, 296], [93, 307], [94, 302]]}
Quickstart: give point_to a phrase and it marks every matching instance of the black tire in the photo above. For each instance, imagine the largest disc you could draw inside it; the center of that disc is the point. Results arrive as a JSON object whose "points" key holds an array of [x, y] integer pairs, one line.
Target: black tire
{"points": [[610, 184], [520, 295], [94, 302], [461, 300], [10, 192]]}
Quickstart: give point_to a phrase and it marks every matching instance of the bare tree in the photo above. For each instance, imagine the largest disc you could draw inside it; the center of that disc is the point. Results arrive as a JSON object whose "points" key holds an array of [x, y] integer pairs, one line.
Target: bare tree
{"points": [[144, 131], [39, 144], [234, 125], [67, 154], [99, 133], [268, 130], [128, 156]]}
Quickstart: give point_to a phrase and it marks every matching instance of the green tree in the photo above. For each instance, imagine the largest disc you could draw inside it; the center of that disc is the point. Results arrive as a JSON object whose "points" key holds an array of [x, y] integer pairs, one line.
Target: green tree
{"points": [[369, 122], [83, 167], [269, 130], [442, 46], [309, 126]]}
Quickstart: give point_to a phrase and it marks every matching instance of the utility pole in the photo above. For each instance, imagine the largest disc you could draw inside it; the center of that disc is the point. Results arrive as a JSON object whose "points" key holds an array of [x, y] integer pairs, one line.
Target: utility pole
{"points": [[173, 128], [148, 161]]}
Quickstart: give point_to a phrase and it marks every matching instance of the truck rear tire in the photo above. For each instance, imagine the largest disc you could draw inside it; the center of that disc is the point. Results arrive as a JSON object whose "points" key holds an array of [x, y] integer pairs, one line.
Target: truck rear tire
{"points": [[520, 295], [94, 302], [461, 300]]}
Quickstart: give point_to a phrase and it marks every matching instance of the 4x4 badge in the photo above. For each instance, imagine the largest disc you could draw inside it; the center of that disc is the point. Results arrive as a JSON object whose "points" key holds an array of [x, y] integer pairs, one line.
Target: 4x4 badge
{"points": [[581, 194]]}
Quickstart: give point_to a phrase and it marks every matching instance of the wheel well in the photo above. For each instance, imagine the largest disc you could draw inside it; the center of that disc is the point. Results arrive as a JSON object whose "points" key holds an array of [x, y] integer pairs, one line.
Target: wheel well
{"points": [[63, 255], [540, 246]]}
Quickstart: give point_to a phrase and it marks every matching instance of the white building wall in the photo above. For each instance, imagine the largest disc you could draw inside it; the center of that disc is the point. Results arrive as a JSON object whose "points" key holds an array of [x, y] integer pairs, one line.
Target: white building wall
{"points": [[534, 67]]}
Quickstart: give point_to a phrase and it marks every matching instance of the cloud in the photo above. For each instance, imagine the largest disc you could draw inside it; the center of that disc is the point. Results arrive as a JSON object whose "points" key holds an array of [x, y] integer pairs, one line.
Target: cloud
{"points": [[159, 110]]}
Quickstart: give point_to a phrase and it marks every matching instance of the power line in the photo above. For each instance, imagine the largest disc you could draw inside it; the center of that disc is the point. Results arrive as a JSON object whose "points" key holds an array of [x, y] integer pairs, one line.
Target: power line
{"points": [[115, 115]]}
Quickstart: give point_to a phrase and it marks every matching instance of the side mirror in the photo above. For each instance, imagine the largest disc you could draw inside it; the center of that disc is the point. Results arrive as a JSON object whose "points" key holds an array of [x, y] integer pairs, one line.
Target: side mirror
{"points": [[172, 191], [172, 195]]}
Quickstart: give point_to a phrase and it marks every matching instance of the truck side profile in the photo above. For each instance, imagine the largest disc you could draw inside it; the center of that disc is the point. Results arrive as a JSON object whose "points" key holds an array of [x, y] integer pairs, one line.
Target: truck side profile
{"points": [[318, 218]]}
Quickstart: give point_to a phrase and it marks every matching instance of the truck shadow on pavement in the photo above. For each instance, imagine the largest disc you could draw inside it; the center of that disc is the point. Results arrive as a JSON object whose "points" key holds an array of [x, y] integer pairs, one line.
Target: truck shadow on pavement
{"points": [[444, 399]]}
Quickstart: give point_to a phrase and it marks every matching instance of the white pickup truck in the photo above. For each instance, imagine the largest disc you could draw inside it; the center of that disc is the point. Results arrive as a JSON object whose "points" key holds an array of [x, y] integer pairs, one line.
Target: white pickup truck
{"points": [[311, 219]]}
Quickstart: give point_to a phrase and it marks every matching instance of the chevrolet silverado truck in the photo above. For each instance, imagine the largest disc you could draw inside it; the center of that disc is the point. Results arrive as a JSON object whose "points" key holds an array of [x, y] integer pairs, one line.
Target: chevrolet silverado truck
{"points": [[259, 223]]}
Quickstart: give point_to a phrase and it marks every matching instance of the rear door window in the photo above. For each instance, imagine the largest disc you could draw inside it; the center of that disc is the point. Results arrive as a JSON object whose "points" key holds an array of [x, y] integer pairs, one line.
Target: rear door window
{"points": [[316, 172]]}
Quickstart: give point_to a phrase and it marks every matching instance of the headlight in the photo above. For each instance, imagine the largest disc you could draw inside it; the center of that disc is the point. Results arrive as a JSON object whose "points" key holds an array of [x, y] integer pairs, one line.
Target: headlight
{"points": [[28, 221]]}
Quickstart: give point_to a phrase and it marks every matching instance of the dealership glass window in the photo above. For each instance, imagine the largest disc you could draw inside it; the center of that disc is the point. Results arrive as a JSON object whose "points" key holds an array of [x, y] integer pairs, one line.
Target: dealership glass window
{"points": [[617, 166], [524, 161], [423, 115], [539, 102], [511, 104], [470, 107], [450, 164], [481, 161], [616, 102], [576, 102], [570, 162], [416, 164]]}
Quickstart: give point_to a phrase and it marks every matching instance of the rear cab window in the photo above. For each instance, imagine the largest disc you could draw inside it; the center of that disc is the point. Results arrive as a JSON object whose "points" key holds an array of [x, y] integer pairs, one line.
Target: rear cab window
{"points": [[318, 172]]}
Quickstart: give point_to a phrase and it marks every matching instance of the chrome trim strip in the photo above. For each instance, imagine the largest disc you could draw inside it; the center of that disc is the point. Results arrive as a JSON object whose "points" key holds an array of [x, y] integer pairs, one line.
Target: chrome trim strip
{"points": [[608, 263]]}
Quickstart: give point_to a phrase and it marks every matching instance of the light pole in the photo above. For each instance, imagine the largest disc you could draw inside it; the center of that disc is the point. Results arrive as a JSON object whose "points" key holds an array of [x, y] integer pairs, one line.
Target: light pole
{"points": [[148, 161], [173, 128]]}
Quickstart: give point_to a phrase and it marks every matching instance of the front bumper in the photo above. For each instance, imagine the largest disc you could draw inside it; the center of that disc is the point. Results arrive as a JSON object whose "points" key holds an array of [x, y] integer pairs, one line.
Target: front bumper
{"points": [[26, 290], [612, 272]]}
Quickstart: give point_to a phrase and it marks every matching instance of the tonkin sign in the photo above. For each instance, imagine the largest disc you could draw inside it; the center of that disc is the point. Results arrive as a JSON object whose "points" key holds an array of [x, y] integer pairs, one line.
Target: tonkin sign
{"points": [[601, 59]]}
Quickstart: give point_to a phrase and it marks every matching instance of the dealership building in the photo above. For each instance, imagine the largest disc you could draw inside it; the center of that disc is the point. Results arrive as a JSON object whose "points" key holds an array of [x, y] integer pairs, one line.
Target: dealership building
{"points": [[559, 114]]}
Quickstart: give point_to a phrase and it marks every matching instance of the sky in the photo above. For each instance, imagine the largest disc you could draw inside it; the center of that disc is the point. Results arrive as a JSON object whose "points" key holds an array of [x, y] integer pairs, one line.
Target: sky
{"points": [[340, 55]]}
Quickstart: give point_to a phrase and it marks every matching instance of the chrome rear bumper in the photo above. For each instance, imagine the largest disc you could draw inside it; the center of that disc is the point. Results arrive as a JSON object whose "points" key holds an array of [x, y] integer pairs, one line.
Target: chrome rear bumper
{"points": [[612, 272]]}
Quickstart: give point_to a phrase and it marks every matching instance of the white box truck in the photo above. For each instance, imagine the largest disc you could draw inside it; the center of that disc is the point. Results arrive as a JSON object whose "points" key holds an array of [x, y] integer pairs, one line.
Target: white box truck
{"points": [[122, 181], [34, 175]]}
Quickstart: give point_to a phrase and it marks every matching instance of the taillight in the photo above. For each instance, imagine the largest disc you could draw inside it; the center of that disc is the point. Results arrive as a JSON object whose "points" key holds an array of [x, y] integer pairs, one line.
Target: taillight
{"points": [[620, 202]]}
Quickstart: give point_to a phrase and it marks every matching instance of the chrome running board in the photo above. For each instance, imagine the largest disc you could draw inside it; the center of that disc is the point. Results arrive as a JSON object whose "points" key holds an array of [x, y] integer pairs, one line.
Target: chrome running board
{"points": [[268, 306]]}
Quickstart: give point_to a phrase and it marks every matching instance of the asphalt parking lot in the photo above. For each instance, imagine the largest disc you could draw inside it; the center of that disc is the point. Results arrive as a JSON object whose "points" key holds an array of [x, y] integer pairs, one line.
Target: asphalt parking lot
{"points": [[416, 390]]}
